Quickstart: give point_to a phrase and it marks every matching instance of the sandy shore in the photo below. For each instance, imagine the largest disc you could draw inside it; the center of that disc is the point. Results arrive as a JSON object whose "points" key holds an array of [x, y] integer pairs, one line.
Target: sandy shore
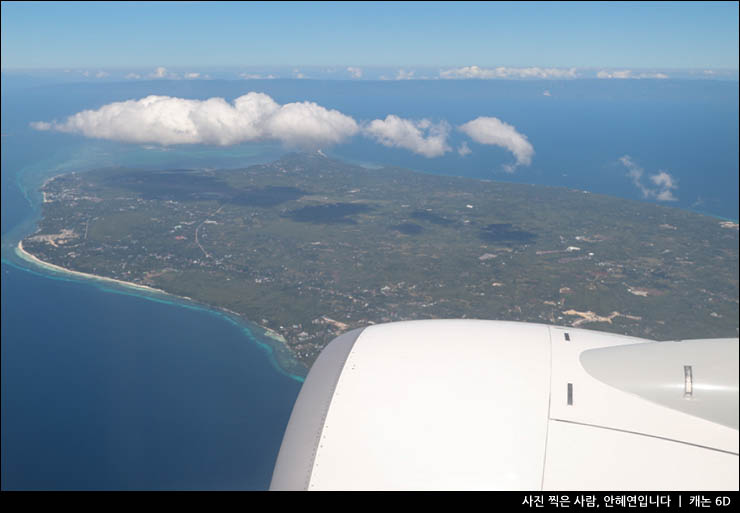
{"points": [[28, 257]]}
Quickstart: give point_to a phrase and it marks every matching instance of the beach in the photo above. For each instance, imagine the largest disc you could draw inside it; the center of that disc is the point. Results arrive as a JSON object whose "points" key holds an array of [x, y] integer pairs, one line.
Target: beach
{"points": [[278, 341], [28, 257]]}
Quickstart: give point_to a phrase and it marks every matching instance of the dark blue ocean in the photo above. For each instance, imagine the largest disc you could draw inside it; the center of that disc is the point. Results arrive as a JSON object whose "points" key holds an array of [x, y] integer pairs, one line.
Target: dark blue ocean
{"points": [[109, 391], [102, 389]]}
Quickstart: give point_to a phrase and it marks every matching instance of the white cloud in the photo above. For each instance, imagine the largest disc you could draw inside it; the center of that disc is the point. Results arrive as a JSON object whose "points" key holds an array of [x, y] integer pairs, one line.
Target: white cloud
{"points": [[85, 73], [166, 120], [614, 74], [161, 72], [546, 93], [297, 74], [133, 76], [308, 124], [635, 173], [505, 72], [255, 76], [663, 179], [493, 131], [464, 149], [422, 137], [666, 195], [665, 183], [192, 75], [41, 125], [627, 73], [101, 74], [405, 75], [355, 72]]}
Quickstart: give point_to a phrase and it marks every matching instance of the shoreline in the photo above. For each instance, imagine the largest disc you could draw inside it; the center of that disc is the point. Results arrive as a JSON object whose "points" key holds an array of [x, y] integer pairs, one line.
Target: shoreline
{"points": [[268, 332], [25, 255]]}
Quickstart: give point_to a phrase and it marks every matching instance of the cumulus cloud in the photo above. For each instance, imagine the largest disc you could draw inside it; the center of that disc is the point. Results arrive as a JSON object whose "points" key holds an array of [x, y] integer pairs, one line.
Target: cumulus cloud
{"points": [[309, 124], [192, 75], [505, 72], [41, 125], [405, 75], [256, 76], [665, 184], [626, 73], [355, 72], [101, 74], [161, 72], [635, 173], [614, 74], [663, 179], [166, 120], [493, 131], [422, 137], [133, 76], [464, 149]]}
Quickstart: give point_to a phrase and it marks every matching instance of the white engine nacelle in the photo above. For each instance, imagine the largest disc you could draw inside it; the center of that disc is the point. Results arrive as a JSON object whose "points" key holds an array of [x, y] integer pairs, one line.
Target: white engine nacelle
{"points": [[492, 405]]}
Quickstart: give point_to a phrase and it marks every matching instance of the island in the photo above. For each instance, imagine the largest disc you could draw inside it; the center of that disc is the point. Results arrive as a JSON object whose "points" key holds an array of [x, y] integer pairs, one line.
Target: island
{"points": [[309, 247]]}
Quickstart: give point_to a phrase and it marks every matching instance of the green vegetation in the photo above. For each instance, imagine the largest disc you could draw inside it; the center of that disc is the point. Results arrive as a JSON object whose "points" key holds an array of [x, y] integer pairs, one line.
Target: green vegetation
{"points": [[312, 247]]}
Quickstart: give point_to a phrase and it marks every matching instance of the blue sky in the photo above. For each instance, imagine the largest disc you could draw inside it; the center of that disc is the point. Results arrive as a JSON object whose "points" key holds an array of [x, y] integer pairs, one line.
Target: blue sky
{"points": [[665, 35]]}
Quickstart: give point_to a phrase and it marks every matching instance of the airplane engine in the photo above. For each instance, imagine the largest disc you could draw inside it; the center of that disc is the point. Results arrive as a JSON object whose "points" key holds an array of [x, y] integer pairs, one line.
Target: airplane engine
{"points": [[492, 405]]}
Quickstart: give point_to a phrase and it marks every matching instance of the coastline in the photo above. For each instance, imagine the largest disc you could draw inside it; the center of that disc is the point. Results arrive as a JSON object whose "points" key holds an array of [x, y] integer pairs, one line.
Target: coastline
{"points": [[270, 340], [280, 344], [28, 257]]}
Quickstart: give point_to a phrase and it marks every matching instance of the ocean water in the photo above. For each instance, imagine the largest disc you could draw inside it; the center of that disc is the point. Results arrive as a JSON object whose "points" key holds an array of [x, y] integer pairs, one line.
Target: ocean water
{"points": [[103, 389], [106, 390]]}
